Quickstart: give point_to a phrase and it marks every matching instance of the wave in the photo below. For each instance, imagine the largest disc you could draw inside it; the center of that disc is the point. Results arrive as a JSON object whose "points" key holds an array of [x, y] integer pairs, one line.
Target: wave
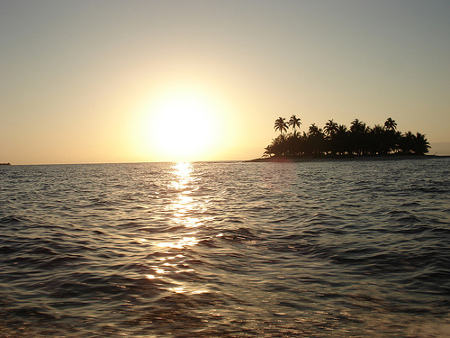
{"points": [[237, 249]]}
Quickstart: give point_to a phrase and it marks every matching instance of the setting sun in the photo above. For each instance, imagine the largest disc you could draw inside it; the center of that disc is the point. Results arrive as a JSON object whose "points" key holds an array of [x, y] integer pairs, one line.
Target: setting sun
{"points": [[182, 124]]}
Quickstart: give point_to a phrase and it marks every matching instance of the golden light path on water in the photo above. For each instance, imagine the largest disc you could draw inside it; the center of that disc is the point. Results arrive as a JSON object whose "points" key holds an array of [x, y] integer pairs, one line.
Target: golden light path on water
{"points": [[182, 205]]}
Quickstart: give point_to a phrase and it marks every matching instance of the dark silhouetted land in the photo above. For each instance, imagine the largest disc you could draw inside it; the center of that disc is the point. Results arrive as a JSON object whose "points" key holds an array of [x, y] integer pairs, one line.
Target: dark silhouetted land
{"points": [[336, 141]]}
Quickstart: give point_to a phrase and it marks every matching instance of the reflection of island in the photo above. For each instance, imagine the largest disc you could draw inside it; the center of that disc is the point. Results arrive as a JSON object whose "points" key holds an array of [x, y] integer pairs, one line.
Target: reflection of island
{"points": [[5, 163], [338, 141]]}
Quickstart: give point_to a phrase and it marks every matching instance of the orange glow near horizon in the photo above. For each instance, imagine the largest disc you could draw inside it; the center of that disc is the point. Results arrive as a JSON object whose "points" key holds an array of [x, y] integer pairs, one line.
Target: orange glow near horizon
{"points": [[151, 81]]}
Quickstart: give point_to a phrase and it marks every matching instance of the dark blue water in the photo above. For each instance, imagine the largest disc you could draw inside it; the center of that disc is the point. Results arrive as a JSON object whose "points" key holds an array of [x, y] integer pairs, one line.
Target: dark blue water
{"points": [[320, 249]]}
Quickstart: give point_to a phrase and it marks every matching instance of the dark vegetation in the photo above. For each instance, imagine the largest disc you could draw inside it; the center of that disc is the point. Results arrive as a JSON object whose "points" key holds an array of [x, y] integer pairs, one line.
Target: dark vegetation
{"points": [[336, 140]]}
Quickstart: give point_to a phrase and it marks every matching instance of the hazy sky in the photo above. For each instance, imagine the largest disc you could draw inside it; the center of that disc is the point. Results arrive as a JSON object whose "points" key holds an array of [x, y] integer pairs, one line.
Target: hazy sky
{"points": [[101, 81]]}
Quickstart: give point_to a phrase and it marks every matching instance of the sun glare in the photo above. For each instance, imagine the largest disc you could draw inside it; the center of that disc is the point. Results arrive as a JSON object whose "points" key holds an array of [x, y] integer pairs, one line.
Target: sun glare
{"points": [[182, 125]]}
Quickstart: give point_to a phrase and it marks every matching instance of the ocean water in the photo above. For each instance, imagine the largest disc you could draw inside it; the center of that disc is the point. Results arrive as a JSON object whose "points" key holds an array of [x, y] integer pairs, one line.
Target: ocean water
{"points": [[313, 249]]}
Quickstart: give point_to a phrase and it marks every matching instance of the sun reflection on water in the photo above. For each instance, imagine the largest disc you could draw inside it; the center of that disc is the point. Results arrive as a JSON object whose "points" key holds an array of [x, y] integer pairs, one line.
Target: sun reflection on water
{"points": [[179, 244], [182, 289], [185, 212], [185, 208], [182, 171]]}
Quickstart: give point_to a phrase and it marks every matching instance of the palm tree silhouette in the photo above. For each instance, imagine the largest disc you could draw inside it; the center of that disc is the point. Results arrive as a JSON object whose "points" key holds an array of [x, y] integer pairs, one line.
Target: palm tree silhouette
{"points": [[315, 140], [341, 140], [358, 127], [335, 139], [281, 125], [314, 130], [420, 144], [330, 128], [294, 122], [358, 136], [390, 124], [379, 140], [406, 143]]}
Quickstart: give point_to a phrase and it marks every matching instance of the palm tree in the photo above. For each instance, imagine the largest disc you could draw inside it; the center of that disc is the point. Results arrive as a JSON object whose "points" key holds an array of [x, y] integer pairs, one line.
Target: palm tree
{"points": [[378, 141], [314, 130], [406, 143], [390, 124], [281, 125], [421, 144], [357, 127], [358, 136], [341, 140], [295, 122], [330, 131], [315, 140], [330, 128], [268, 151]]}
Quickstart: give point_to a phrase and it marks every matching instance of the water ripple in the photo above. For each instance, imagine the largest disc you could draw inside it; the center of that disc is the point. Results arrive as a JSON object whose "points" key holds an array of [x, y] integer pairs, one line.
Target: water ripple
{"points": [[226, 249]]}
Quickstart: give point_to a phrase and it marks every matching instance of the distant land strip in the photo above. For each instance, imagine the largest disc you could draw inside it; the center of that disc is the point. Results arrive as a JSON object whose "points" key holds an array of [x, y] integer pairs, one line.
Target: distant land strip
{"points": [[399, 157]]}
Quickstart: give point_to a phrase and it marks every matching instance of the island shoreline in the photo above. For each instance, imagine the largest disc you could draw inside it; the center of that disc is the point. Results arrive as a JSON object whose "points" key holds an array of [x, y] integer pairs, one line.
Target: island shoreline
{"points": [[288, 159]]}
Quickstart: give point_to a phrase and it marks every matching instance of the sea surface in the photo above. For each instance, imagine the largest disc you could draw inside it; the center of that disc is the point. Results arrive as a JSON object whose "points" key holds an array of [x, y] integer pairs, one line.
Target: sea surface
{"points": [[313, 249]]}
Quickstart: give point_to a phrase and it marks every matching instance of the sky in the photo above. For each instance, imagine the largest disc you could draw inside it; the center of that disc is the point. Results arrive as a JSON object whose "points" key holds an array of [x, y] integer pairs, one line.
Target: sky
{"points": [[135, 81]]}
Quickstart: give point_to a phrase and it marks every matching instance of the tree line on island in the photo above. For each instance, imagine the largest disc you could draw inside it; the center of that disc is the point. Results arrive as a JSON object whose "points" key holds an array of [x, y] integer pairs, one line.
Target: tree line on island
{"points": [[336, 140]]}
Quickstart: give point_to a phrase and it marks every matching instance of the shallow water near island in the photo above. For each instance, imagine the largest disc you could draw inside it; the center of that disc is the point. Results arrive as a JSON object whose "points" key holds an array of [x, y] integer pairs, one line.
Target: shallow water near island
{"points": [[317, 249]]}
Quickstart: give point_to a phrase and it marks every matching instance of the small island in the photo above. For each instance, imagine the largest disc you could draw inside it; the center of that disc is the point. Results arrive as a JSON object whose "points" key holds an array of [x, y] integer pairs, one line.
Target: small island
{"points": [[338, 141], [5, 163]]}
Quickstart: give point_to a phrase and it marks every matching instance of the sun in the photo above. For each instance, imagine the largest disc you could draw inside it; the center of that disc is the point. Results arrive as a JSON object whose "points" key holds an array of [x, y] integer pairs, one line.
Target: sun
{"points": [[182, 125]]}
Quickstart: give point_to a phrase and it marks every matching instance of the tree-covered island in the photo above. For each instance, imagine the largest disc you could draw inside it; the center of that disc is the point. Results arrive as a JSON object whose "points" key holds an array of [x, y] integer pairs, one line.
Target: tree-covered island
{"points": [[336, 140]]}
